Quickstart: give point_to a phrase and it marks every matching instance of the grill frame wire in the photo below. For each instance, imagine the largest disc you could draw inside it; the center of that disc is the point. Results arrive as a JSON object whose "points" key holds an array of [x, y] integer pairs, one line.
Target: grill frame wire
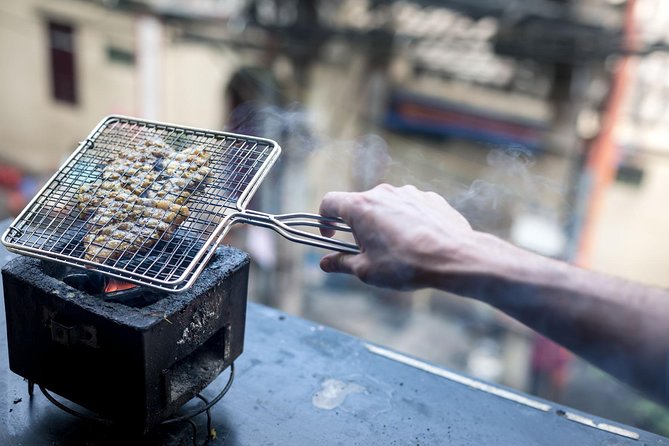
{"points": [[228, 193]]}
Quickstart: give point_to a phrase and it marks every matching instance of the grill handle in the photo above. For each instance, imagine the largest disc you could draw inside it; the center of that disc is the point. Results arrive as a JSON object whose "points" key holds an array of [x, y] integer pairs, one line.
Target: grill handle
{"points": [[287, 225]]}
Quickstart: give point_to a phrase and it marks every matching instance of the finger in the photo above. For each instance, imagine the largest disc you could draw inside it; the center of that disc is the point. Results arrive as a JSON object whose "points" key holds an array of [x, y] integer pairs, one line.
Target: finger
{"points": [[332, 205], [335, 204], [338, 263], [325, 232]]}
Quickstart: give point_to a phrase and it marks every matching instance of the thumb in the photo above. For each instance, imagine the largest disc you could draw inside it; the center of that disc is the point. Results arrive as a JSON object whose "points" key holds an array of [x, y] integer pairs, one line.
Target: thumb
{"points": [[338, 263]]}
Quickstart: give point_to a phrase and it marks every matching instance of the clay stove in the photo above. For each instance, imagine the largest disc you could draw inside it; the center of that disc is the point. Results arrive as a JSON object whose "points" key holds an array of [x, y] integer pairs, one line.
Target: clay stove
{"points": [[133, 362]]}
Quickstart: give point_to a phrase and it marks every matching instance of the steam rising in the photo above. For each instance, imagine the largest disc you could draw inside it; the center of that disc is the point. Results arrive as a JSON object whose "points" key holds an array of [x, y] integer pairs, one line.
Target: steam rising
{"points": [[292, 127], [508, 186], [372, 161]]}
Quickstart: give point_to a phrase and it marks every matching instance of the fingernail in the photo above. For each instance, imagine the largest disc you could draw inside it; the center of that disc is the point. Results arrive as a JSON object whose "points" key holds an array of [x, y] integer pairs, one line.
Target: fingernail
{"points": [[326, 265]]}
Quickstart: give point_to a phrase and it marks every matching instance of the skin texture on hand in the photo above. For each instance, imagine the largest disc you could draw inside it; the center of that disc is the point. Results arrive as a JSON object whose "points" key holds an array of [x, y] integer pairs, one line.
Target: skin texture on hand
{"points": [[411, 239], [402, 233]]}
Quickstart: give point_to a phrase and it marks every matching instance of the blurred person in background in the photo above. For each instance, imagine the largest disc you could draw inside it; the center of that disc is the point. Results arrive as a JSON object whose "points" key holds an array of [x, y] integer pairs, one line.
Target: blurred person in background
{"points": [[411, 239]]}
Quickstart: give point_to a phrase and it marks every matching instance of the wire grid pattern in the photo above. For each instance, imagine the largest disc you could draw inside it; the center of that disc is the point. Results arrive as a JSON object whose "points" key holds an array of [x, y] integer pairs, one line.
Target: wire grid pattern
{"points": [[54, 226]]}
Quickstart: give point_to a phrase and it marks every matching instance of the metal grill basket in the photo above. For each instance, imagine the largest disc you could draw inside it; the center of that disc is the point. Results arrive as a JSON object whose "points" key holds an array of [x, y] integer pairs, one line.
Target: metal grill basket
{"points": [[54, 224]]}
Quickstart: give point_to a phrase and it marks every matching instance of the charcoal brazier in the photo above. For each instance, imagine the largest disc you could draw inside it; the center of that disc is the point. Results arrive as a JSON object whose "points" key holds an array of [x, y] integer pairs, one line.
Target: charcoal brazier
{"points": [[133, 365]]}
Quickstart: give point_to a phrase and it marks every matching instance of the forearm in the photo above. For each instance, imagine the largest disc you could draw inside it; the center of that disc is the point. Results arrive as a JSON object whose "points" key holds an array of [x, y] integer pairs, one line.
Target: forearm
{"points": [[617, 325], [412, 239]]}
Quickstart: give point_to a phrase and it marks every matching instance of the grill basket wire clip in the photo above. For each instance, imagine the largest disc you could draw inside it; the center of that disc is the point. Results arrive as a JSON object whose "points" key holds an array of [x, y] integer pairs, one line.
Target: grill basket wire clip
{"points": [[53, 225]]}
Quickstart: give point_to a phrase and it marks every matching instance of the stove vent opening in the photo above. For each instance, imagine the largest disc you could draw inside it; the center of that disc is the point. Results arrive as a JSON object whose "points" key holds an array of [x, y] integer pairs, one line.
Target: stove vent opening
{"points": [[103, 287], [112, 290], [202, 367]]}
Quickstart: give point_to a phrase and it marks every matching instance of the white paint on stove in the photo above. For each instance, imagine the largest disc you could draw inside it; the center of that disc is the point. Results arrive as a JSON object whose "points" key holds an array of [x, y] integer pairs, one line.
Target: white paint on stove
{"points": [[200, 319], [333, 393]]}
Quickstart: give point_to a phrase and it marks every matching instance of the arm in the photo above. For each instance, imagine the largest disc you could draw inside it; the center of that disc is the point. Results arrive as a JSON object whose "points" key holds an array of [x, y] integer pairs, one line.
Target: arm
{"points": [[412, 239]]}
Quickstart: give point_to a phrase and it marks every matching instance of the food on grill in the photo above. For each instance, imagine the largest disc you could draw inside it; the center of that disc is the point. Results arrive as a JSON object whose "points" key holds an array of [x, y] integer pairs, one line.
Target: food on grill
{"points": [[140, 198], [132, 227]]}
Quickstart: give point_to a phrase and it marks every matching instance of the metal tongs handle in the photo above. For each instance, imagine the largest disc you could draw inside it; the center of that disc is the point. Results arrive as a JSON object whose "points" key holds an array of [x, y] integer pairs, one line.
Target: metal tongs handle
{"points": [[286, 225]]}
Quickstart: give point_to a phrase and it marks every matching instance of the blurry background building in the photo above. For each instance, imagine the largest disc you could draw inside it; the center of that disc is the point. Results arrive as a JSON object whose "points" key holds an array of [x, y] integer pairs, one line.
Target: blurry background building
{"points": [[543, 121]]}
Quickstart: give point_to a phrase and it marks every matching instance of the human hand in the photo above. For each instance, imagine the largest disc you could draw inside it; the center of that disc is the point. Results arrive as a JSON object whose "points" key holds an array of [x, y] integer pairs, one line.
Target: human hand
{"points": [[411, 239], [408, 238]]}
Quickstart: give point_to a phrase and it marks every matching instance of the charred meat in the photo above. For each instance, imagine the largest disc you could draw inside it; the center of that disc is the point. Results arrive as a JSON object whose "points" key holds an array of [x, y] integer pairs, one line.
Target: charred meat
{"points": [[140, 198]]}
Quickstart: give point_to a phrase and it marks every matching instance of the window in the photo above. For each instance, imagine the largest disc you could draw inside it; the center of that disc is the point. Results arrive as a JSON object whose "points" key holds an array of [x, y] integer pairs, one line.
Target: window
{"points": [[120, 55], [63, 75]]}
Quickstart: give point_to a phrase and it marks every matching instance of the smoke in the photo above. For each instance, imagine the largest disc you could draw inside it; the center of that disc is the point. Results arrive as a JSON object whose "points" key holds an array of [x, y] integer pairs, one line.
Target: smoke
{"points": [[372, 161], [298, 133], [292, 126], [507, 187]]}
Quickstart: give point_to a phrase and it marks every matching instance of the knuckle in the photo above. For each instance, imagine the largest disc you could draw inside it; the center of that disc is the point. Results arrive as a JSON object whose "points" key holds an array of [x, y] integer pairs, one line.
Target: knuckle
{"points": [[334, 203], [435, 196], [327, 201], [359, 201]]}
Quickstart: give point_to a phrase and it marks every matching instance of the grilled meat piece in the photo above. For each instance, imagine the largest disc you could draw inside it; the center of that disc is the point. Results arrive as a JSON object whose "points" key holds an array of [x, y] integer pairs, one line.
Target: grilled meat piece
{"points": [[140, 198], [148, 222]]}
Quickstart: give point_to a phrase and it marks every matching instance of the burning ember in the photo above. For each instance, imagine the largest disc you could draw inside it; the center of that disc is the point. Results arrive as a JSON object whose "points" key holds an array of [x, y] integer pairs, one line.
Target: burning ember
{"points": [[114, 285], [110, 289]]}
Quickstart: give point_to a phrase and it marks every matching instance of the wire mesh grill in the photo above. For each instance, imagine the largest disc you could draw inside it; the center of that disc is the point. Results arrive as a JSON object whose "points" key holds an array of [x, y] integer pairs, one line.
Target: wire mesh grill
{"points": [[168, 222]]}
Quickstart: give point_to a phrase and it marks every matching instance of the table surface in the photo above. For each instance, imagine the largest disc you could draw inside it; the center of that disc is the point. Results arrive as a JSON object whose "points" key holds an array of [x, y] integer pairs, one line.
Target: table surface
{"points": [[299, 383]]}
